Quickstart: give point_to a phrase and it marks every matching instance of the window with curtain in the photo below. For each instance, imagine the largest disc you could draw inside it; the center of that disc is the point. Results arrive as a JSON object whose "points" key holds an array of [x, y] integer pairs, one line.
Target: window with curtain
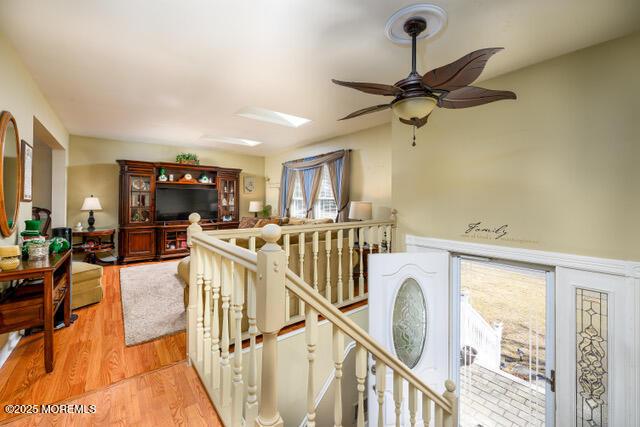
{"points": [[297, 209], [317, 180], [325, 204]]}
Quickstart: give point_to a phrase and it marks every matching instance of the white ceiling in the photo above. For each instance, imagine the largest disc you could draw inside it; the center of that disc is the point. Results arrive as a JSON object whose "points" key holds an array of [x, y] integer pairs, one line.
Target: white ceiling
{"points": [[170, 71]]}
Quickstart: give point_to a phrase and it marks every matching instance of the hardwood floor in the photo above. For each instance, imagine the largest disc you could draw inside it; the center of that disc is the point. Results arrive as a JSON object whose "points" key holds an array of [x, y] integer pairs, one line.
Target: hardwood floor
{"points": [[171, 396], [89, 355]]}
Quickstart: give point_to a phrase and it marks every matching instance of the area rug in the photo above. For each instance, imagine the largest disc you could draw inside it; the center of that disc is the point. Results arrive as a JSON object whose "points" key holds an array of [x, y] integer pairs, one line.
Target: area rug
{"points": [[152, 301]]}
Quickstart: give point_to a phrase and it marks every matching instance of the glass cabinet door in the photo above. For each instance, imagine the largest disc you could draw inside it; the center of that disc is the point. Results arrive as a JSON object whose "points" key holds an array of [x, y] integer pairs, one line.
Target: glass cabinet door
{"points": [[228, 199], [140, 203]]}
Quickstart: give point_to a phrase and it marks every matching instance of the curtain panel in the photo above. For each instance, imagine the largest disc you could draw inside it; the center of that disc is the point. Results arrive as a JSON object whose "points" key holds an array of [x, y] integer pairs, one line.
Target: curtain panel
{"points": [[310, 172]]}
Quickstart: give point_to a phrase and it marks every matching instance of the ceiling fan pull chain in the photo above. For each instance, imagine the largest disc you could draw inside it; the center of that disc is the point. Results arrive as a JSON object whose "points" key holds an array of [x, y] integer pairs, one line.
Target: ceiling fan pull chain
{"points": [[414, 136]]}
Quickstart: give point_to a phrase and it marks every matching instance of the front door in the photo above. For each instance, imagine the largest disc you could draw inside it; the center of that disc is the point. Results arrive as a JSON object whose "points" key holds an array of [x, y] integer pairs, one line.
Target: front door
{"points": [[409, 315], [506, 324]]}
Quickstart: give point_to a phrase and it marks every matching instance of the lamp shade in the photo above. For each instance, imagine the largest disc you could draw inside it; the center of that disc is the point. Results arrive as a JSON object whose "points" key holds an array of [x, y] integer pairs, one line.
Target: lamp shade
{"points": [[417, 107], [360, 210], [255, 206], [91, 204]]}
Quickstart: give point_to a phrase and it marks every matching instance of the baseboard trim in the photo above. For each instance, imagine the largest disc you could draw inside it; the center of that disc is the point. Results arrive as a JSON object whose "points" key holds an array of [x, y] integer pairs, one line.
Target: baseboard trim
{"points": [[9, 346]]}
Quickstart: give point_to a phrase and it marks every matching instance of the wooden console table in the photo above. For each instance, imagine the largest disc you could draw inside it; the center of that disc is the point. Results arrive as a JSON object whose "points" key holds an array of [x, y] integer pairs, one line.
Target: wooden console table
{"points": [[95, 242], [33, 303]]}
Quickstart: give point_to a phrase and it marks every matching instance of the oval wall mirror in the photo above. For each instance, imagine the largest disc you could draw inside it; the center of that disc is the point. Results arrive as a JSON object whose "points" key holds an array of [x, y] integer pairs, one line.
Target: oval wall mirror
{"points": [[409, 323], [10, 173]]}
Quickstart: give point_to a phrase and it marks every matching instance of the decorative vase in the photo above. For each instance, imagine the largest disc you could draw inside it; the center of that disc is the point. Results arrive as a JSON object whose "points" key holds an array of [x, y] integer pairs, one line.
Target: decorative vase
{"points": [[38, 251], [27, 241]]}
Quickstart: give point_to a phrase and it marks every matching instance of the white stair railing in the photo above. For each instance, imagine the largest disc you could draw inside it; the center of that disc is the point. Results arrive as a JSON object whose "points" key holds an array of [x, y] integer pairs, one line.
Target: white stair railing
{"points": [[339, 246], [262, 279], [477, 333]]}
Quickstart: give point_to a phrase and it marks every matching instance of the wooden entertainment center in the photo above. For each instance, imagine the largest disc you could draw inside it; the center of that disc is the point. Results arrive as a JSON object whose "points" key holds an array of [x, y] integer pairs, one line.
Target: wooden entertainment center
{"points": [[144, 234]]}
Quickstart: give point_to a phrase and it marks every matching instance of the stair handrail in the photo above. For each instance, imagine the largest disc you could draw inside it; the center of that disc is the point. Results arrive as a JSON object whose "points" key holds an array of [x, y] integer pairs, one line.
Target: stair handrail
{"points": [[360, 336], [270, 277], [243, 233]]}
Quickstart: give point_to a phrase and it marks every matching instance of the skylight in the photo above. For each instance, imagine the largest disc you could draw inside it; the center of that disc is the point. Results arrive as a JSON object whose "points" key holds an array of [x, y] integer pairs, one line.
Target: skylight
{"points": [[231, 140], [270, 116]]}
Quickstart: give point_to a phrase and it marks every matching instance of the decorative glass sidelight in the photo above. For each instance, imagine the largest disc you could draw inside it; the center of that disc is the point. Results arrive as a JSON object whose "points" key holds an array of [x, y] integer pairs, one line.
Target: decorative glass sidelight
{"points": [[592, 357], [409, 323]]}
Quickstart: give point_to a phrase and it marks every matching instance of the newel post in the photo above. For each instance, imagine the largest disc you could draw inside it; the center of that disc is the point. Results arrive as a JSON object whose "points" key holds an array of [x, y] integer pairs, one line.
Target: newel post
{"points": [[451, 420], [270, 318], [193, 228]]}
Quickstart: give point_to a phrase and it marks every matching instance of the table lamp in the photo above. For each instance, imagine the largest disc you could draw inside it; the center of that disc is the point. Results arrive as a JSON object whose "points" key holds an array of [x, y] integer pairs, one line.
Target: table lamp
{"points": [[360, 211], [255, 206], [91, 204]]}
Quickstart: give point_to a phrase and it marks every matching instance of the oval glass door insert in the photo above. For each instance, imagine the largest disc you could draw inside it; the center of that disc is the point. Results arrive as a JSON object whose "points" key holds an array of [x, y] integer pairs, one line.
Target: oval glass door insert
{"points": [[409, 323]]}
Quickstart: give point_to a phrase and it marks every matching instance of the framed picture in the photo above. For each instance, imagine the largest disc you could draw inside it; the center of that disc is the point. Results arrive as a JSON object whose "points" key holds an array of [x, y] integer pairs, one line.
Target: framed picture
{"points": [[249, 184], [27, 171]]}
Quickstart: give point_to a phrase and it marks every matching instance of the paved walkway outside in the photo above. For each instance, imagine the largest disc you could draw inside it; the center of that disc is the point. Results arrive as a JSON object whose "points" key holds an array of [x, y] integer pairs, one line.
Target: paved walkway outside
{"points": [[491, 398]]}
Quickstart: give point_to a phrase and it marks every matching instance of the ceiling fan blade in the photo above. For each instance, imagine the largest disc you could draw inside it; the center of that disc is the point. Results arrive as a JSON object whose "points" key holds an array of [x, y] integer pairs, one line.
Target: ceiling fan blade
{"points": [[459, 73], [470, 96], [367, 111], [373, 88], [416, 122]]}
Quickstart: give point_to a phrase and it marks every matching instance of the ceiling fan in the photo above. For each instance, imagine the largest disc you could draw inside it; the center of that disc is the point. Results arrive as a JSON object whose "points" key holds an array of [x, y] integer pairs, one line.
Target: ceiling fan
{"points": [[416, 96]]}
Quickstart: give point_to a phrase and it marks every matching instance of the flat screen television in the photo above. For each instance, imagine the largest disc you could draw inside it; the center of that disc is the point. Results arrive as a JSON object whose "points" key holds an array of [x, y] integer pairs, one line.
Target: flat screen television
{"points": [[174, 204]]}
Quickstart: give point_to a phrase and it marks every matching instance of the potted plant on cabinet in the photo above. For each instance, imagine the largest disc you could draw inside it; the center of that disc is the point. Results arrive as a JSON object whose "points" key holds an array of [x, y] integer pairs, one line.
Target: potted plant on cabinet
{"points": [[187, 159]]}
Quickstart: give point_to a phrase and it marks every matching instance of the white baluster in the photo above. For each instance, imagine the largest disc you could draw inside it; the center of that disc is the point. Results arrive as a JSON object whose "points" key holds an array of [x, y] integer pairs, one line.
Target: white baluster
{"points": [[311, 332], [361, 373], [339, 242], [397, 397], [327, 248], [361, 250], [225, 368], [338, 356], [439, 416], [232, 323], [251, 411], [381, 379], [372, 238], [301, 245], [200, 308], [207, 320], [426, 410], [315, 259], [412, 405], [286, 238], [238, 385], [215, 321], [351, 243]]}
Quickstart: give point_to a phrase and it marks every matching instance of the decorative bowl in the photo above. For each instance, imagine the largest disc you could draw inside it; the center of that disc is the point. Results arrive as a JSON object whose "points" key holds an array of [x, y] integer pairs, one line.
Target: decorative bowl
{"points": [[9, 263]]}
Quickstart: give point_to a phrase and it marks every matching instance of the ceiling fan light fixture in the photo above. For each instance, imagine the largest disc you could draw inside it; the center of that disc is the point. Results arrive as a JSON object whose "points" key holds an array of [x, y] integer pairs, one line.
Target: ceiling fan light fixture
{"points": [[448, 86], [414, 107]]}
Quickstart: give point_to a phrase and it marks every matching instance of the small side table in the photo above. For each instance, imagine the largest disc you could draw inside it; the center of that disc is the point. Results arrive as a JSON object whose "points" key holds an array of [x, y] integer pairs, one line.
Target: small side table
{"points": [[35, 305], [95, 242]]}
